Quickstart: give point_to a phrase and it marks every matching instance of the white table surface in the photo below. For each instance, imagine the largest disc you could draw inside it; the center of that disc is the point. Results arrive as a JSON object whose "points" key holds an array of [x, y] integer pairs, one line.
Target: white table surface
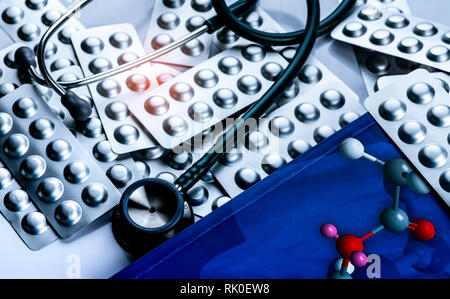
{"points": [[95, 254]]}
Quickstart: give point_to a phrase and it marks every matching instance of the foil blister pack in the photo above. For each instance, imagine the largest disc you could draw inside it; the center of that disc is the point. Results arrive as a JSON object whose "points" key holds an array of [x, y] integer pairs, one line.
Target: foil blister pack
{"points": [[397, 34], [285, 134], [17, 208], [415, 113], [25, 21], [207, 94], [173, 19], [120, 169], [9, 79], [62, 179], [102, 48]]}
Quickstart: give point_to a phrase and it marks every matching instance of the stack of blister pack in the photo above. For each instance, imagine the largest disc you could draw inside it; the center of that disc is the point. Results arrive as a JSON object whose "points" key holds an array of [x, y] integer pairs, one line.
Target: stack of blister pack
{"points": [[59, 175]]}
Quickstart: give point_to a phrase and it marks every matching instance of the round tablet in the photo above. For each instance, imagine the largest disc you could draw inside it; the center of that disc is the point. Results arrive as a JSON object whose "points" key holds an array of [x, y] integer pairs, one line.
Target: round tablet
{"points": [[59, 150], [157, 105], [17, 201], [121, 40], [439, 116], [246, 178], [103, 152], [412, 132], [307, 113], [16, 146], [433, 156], [175, 126], [120, 175]]}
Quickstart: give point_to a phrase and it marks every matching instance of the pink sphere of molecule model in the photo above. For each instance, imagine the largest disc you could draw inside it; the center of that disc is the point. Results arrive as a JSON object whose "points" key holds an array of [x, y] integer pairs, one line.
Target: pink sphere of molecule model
{"points": [[329, 231], [358, 259]]}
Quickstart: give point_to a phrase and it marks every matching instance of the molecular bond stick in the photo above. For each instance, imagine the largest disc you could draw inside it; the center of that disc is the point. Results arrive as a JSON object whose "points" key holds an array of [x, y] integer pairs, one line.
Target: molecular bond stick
{"points": [[399, 173]]}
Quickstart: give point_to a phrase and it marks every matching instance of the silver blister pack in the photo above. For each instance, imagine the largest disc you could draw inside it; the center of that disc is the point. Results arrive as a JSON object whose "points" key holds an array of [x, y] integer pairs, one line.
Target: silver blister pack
{"points": [[205, 196], [397, 34], [102, 48], [415, 113], [28, 222], [62, 179], [173, 19], [285, 134], [207, 94], [25, 21], [442, 78], [120, 169], [9, 80]]}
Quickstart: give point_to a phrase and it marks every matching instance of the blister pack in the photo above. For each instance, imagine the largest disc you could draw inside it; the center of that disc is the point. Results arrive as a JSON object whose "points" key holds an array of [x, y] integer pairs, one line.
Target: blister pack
{"points": [[415, 113], [28, 222], [102, 48], [25, 21], [258, 19], [62, 179], [285, 134], [173, 19], [205, 196], [397, 34], [441, 78], [207, 94], [120, 169]]}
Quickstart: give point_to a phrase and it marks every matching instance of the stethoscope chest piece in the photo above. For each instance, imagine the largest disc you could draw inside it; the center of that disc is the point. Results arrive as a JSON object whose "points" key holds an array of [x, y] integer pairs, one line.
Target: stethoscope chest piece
{"points": [[151, 212]]}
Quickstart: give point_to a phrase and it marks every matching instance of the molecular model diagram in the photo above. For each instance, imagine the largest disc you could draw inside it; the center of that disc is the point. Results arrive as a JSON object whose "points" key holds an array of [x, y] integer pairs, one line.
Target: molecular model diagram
{"points": [[393, 219]]}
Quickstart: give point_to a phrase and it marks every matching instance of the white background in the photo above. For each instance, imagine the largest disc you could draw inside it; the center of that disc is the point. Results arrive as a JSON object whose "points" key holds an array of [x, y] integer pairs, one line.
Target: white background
{"points": [[95, 254]]}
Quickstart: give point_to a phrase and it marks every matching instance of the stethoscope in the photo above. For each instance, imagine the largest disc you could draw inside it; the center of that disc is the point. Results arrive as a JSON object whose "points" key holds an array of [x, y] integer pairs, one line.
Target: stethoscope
{"points": [[153, 210]]}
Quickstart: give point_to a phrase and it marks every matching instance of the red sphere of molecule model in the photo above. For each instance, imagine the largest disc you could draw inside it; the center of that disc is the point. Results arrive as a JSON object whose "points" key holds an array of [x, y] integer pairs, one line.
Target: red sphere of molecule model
{"points": [[424, 230], [347, 244]]}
